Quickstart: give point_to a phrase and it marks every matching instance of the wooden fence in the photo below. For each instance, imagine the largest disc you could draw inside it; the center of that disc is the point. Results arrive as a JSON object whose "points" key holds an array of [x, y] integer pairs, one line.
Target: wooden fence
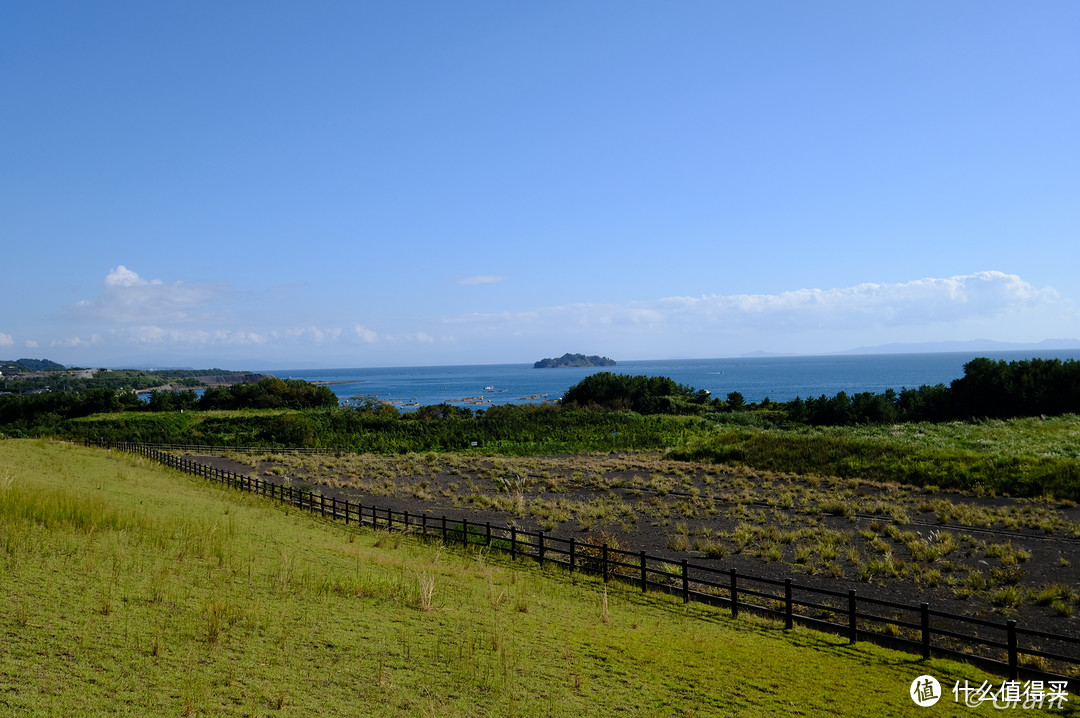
{"points": [[999, 646]]}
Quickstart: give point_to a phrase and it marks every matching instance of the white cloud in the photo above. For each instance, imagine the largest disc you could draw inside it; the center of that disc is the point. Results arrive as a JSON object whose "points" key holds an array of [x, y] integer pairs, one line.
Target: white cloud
{"points": [[124, 277], [178, 318], [127, 298], [152, 334], [77, 342], [31, 344], [6, 340], [365, 334], [482, 279], [689, 324], [918, 302], [319, 335]]}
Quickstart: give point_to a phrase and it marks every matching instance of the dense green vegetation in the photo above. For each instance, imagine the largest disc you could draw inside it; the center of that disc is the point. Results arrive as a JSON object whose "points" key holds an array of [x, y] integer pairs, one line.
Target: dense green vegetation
{"points": [[15, 366], [572, 360], [508, 429], [643, 394], [38, 414], [988, 389], [21, 378], [131, 590], [270, 393]]}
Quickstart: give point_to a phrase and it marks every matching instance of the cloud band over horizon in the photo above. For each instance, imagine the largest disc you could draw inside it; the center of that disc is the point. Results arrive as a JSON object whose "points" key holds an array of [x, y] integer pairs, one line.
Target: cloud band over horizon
{"points": [[131, 313]]}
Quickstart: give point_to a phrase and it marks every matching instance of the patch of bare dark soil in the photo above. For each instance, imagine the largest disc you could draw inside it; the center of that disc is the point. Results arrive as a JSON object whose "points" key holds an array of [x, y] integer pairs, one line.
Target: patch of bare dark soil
{"points": [[986, 556]]}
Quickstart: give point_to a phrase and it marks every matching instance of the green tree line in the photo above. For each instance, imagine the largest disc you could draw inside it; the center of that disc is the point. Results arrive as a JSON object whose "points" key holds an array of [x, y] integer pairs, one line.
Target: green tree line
{"points": [[23, 414], [987, 390]]}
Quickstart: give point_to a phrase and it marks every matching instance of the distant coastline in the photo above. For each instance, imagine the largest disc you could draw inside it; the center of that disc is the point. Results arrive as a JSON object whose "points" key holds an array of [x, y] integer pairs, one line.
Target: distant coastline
{"points": [[573, 360]]}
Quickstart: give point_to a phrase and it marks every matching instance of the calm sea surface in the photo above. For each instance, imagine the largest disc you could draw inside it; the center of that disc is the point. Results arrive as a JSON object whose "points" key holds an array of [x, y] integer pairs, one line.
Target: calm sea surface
{"points": [[777, 378]]}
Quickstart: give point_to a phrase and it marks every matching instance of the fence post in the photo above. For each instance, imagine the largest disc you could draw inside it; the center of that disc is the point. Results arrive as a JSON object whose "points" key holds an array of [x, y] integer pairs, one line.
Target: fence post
{"points": [[389, 519], [465, 532], [573, 551], [513, 542], [541, 548], [423, 525], [333, 508], [924, 614], [644, 574], [604, 551], [734, 594], [788, 619], [685, 583], [853, 625], [1010, 626], [406, 522], [444, 528], [487, 529], [346, 512]]}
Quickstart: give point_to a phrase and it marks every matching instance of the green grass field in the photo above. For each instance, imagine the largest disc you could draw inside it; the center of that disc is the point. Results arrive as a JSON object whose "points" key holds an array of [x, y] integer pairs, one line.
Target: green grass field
{"points": [[1017, 457], [128, 589]]}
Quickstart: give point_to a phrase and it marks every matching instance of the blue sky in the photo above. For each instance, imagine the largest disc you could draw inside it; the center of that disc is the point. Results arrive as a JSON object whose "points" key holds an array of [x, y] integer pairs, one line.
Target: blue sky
{"points": [[261, 184]]}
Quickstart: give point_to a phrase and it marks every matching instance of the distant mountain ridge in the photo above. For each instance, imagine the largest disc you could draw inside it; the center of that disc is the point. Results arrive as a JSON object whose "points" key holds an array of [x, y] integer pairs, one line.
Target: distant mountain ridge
{"points": [[31, 364], [972, 345], [966, 347]]}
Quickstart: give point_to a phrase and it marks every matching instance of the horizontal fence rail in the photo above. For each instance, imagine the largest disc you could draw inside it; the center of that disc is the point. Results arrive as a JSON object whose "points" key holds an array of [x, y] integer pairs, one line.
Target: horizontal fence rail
{"points": [[221, 449], [1000, 646]]}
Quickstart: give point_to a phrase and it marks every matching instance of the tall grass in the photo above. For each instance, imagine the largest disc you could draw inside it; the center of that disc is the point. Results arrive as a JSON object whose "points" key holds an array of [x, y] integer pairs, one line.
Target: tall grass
{"points": [[926, 455]]}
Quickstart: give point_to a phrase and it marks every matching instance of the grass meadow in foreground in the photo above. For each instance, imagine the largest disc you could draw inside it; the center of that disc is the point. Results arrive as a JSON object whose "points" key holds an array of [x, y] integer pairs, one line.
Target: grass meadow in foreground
{"points": [[129, 589]]}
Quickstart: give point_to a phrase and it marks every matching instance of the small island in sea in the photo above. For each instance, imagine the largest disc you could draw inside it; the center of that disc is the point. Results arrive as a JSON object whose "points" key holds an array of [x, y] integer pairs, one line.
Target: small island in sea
{"points": [[572, 360]]}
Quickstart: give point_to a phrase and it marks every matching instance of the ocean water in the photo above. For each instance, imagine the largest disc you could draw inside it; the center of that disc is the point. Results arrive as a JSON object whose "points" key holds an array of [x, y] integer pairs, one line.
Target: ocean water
{"points": [[776, 378]]}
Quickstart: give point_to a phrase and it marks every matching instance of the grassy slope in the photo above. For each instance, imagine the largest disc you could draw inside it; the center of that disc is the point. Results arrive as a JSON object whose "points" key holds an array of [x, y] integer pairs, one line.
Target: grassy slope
{"points": [[125, 588]]}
